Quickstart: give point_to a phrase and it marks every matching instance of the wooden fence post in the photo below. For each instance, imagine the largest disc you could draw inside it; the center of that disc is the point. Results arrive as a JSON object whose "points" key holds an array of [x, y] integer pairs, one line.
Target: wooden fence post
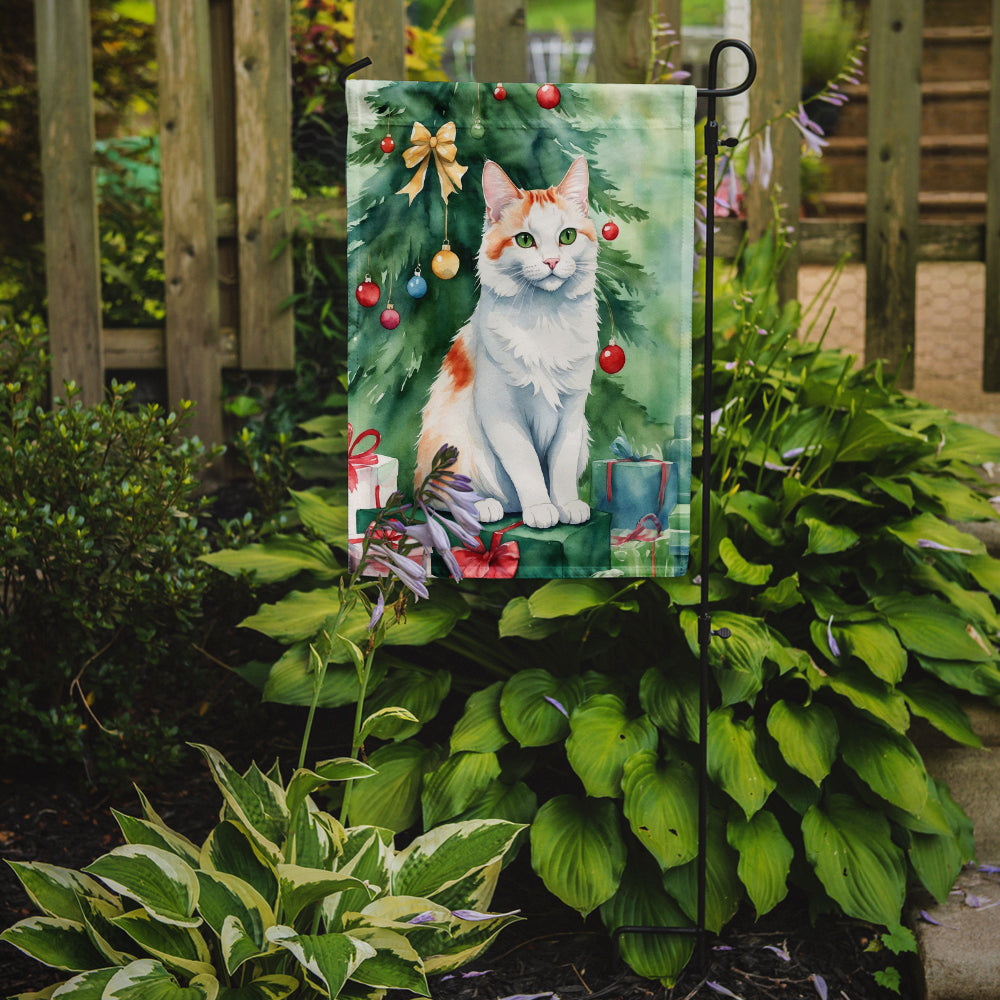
{"points": [[190, 251], [623, 37], [776, 34], [72, 255], [380, 34], [893, 183], [262, 61], [991, 332], [501, 41]]}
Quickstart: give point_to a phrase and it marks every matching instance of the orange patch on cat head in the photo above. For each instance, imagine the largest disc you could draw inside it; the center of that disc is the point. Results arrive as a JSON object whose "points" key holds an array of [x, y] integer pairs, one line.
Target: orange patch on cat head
{"points": [[458, 366]]}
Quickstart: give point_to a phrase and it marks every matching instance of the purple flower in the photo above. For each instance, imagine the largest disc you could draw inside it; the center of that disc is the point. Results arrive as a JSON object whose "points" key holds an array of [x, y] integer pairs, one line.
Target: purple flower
{"points": [[834, 648], [811, 132], [410, 573], [377, 612], [761, 163], [820, 983], [475, 915], [454, 492], [719, 988], [927, 543], [432, 535], [427, 917], [780, 952], [552, 701]]}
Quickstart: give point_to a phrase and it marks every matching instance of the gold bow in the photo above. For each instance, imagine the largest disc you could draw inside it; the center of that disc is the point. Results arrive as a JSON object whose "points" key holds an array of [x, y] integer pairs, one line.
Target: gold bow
{"points": [[444, 151]]}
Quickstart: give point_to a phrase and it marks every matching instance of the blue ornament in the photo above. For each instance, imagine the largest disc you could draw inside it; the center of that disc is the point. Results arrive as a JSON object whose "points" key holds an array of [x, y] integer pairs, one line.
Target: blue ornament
{"points": [[417, 286]]}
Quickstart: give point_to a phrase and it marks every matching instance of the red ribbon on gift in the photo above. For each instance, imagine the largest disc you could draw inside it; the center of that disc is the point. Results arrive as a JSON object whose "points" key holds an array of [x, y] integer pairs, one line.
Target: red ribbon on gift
{"points": [[362, 458], [636, 534], [499, 561], [664, 476]]}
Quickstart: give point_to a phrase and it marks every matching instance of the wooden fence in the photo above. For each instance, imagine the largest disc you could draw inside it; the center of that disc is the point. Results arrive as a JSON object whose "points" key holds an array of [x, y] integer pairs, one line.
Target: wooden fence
{"points": [[226, 162]]}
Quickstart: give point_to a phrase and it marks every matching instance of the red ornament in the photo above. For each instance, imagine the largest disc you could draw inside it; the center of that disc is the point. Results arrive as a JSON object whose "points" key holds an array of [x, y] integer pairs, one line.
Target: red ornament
{"points": [[387, 144], [610, 230], [367, 293], [612, 358], [500, 92], [389, 318], [548, 95]]}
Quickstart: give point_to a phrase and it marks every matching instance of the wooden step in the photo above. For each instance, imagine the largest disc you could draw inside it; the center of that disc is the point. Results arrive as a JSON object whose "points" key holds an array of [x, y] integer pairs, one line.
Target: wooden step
{"points": [[957, 206], [956, 53], [945, 12]]}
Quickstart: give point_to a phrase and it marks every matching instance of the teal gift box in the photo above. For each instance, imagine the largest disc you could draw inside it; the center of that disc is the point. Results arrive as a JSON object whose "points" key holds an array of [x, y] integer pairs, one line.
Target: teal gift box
{"points": [[631, 488]]}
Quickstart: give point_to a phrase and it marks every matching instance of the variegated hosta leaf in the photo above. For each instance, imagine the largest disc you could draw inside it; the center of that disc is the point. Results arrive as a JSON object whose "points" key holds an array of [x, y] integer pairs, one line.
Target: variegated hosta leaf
{"points": [[391, 799], [367, 853], [149, 980], [807, 736], [642, 902], [56, 891], [301, 887], [116, 946], [475, 891], [329, 959], [256, 801], [535, 706], [732, 760], [158, 880], [888, 763], [467, 940], [456, 784], [274, 987], [55, 941], [441, 857], [141, 831], [304, 782], [481, 727], [225, 897], [315, 838], [230, 849], [395, 964], [177, 947], [602, 737], [850, 847], [765, 858], [661, 799], [578, 851], [86, 986]]}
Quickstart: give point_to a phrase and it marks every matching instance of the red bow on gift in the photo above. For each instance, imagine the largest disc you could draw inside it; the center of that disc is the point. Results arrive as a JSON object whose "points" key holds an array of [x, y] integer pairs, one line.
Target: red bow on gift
{"points": [[362, 458], [499, 561], [648, 522]]}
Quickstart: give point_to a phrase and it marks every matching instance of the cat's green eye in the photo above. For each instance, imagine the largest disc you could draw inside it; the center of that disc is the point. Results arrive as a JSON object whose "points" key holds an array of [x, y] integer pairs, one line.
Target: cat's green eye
{"points": [[567, 236], [525, 240]]}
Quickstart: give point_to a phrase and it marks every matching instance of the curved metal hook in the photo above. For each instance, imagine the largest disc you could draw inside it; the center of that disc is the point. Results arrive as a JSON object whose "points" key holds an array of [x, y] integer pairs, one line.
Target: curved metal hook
{"points": [[353, 68], [713, 69]]}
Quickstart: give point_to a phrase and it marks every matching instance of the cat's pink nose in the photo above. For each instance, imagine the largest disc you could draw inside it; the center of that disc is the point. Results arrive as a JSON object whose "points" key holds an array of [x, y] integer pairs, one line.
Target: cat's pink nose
{"points": [[552, 261]]}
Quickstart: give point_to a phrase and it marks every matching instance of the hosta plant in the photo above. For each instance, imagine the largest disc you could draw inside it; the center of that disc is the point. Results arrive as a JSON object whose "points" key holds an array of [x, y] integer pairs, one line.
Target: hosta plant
{"points": [[279, 900]]}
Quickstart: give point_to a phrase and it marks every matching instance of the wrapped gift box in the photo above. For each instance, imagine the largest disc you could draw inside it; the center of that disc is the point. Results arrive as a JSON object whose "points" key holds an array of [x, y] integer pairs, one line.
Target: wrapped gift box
{"points": [[644, 552], [375, 484], [418, 554], [630, 488], [678, 451]]}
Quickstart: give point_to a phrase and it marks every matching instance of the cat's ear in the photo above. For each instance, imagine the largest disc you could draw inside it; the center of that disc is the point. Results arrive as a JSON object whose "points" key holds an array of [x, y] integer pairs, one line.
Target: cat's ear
{"points": [[498, 189], [576, 184]]}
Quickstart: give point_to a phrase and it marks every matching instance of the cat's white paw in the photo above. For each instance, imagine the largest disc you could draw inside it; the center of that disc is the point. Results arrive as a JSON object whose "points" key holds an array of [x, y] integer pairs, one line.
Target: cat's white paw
{"points": [[540, 515], [574, 512], [489, 510]]}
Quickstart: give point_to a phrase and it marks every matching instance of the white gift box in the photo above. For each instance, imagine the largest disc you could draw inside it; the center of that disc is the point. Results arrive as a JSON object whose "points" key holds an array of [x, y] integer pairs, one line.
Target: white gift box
{"points": [[376, 483]]}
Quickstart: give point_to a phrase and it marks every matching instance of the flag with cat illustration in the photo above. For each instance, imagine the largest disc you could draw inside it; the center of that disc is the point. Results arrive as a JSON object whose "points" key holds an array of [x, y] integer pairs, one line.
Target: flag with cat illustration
{"points": [[520, 263]]}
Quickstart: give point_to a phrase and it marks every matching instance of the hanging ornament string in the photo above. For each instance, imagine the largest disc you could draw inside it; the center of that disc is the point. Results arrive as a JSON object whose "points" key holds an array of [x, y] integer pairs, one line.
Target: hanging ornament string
{"points": [[445, 263], [478, 130], [612, 358], [388, 144], [367, 293], [440, 148], [390, 317]]}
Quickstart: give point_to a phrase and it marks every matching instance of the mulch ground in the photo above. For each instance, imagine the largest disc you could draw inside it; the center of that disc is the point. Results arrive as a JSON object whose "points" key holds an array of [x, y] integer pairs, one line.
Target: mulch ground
{"points": [[551, 952]]}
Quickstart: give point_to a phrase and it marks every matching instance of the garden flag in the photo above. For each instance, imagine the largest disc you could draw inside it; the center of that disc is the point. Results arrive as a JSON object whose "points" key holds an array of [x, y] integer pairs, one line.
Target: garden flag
{"points": [[520, 264]]}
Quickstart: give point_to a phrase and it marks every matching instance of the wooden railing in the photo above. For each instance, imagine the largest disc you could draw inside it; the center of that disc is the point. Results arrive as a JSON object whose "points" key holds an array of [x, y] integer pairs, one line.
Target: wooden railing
{"points": [[226, 161]]}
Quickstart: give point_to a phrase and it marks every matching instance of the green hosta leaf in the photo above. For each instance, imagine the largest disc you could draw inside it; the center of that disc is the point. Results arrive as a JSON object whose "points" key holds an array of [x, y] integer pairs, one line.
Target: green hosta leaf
{"points": [[928, 528], [417, 690], [765, 858], [876, 646], [732, 760], [870, 435], [783, 595], [159, 881], [386, 723], [986, 571], [481, 728], [602, 738], [261, 809], [931, 628], [456, 784], [141, 831], [54, 941], [807, 736], [274, 987], [641, 901], [395, 964], [941, 709], [888, 763], [224, 898], [516, 803], [752, 574], [738, 661], [965, 443], [147, 979], [517, 620], [279, 558], [56, 891], [975, 605], [330, 959], [391, 798], [850, 847], [327, 520], [937, 859], [758, 511], [559, 598], [578, 851], [684, 592], [893, 488], [438, 859], [528, 710], [230, 849], [180, 948], [864, 691], [301, 887], [976, 678], [671, 700], [827, 539], [292, 680], [723, 889], [957, 501], [661, 798]]}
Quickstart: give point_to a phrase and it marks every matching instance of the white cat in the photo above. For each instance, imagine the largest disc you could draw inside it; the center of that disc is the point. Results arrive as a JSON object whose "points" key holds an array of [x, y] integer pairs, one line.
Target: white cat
{"points": [[511, 391]]}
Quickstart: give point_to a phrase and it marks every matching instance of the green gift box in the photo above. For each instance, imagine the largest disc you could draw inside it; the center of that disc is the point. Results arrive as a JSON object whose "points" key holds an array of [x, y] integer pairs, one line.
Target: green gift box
{"points": [[643, 552]]}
